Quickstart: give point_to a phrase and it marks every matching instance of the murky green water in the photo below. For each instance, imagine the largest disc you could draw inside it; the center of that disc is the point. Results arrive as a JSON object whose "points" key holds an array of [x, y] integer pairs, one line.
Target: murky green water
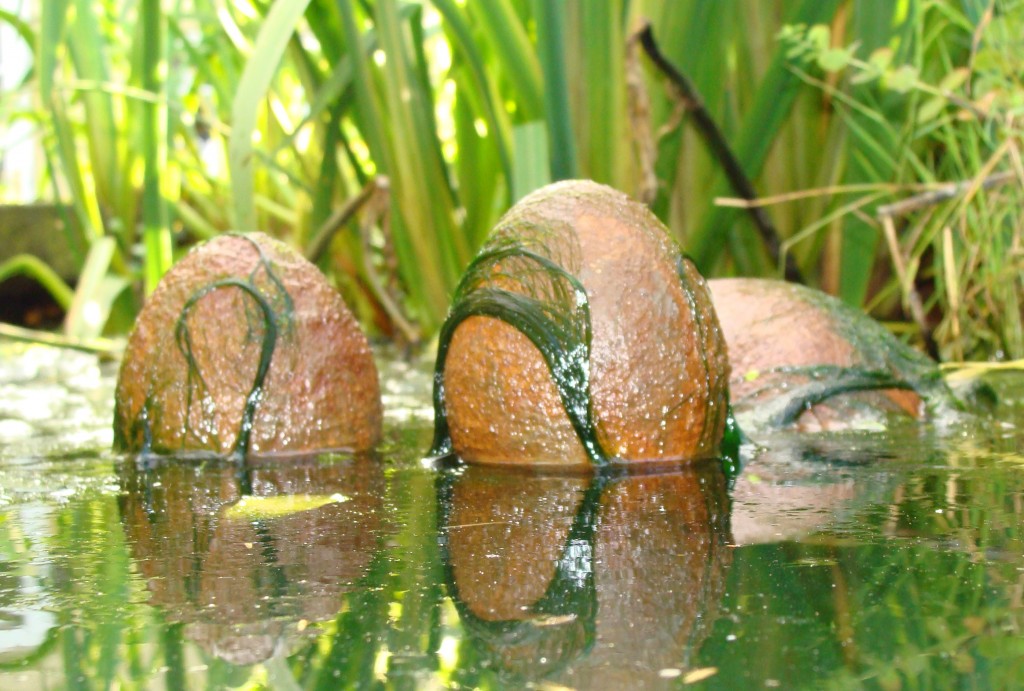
{"points": [[849, 561]]}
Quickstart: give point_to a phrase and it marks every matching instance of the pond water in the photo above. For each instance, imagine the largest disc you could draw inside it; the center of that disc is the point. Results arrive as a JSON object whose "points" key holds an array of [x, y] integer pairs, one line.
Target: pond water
{"points": [[864, 559]]}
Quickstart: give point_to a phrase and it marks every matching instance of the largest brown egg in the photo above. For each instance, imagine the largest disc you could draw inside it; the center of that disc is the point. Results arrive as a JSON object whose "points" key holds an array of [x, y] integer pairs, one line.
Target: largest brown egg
{"points": [[245, 348], [581, 334]]}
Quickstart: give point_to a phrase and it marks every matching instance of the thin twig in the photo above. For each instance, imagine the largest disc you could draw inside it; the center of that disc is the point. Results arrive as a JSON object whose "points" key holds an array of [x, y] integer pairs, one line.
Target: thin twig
{"points": [[378, 211], [719, 148], [829, 191], [640, 122], [948, 191], [375, 199], [319, 244]]}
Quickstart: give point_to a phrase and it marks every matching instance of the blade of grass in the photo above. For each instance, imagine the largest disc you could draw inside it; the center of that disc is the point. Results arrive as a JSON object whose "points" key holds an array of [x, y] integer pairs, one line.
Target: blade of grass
{"points": [[505, 34], [275, 32], [96, 291], [550, 18], [156, 232], [33, 267], [700, 22], [426, 233], [87, 47], [531, 155], [596, 43], [469, 48], [61, 150]]}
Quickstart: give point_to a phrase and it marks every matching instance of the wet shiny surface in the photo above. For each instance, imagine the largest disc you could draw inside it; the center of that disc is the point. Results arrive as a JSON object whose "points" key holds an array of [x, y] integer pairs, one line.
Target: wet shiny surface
{"points": [[883, 559]]}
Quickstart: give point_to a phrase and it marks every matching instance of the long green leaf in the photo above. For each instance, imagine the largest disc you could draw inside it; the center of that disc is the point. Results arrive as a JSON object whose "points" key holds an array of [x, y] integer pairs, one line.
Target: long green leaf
{"points": [[421, 185], [24, 30], [96, 292], [505, 34], [89, 53], [872, 24], [596, 69], [156, 232], [259, 71], [53, 16], [532, 170], [496, 124], [33, 267], [550, 47]]}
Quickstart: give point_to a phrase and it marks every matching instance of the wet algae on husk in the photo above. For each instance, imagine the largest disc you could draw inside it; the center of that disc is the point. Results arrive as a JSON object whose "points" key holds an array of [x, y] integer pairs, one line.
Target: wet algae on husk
{"points": [[580, 335], [245, 348]]}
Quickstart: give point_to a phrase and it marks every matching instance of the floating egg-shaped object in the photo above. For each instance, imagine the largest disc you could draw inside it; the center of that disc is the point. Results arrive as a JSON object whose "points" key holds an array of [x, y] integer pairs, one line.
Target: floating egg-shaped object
{"points": [[580, 334], [244, 348], [801, 356]]}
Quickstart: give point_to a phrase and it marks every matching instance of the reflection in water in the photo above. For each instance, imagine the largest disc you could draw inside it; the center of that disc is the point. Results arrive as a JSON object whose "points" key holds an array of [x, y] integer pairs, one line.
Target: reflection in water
{"points": [[591, 582], [246, 559], [801, 483]]}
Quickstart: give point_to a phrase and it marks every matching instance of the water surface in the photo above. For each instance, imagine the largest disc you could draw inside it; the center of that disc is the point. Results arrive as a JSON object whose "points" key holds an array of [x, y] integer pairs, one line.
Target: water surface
{"points": [[890, 559]]}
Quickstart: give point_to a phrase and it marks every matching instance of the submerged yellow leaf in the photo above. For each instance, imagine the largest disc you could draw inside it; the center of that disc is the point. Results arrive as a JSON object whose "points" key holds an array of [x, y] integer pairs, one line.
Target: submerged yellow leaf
{"points": [[252, 508], [695, 675], [553, 620]]}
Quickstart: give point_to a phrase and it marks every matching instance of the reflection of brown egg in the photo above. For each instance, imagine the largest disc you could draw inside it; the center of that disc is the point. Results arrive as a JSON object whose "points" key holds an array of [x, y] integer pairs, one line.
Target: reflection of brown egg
{"points": [[505, 508], [772, 325], [320, 392], [241, 570], [544, 597], [657, 366]]}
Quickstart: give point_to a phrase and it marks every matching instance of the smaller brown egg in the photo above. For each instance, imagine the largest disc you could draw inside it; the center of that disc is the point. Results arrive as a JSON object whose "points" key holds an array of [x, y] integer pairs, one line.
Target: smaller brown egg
{"points": [[244, 348], [800, 355]]}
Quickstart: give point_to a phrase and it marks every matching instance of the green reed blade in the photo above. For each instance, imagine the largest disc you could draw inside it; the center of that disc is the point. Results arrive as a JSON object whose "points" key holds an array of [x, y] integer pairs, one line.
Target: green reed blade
{"points": [[275, 32], [679, 27], [97, 289], [504, 33], [156, 231], [532, 170], [426, 233], [595, 40], [482, 90], [62, 155], [551, 50], [39, 271], [478, 166], [26, 31], [88, 49]]}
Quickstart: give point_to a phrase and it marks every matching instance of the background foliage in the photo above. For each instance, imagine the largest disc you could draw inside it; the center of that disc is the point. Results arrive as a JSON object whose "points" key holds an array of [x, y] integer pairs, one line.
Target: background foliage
{"points": [[167, 123]]}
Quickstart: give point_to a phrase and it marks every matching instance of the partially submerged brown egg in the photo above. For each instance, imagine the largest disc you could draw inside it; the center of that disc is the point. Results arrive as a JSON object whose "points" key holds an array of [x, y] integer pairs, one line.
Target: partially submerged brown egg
{"points": [[243, 349], [580, 334], [800, 355]]}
